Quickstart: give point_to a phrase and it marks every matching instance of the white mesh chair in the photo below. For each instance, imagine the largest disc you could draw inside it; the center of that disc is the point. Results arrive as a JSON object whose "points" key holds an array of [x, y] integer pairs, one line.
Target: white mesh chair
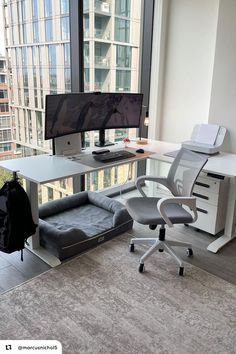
{"points": [[170, 210]]}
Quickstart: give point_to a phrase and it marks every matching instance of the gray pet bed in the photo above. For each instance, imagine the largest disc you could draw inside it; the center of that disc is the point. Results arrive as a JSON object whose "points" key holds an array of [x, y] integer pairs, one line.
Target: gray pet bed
{"points": [[73, 224]]}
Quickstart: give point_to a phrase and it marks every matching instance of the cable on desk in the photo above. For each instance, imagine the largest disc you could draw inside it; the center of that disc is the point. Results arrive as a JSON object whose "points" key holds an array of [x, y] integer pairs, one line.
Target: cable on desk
{"points": [[129, 177]]}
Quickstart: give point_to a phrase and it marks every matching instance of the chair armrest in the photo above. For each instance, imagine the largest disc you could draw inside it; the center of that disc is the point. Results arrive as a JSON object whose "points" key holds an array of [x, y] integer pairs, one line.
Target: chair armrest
{"points": [[189, 201], [141, 179]]}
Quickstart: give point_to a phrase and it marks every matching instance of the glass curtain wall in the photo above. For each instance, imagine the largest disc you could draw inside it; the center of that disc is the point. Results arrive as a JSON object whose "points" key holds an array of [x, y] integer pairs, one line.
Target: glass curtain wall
{"points": [[112, 32], [39, 50], [38, 38]]}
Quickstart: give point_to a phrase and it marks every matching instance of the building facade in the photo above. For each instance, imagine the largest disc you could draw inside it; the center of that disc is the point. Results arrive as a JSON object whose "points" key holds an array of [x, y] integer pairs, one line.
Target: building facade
{"points": [[7, 148], [37, 36]]}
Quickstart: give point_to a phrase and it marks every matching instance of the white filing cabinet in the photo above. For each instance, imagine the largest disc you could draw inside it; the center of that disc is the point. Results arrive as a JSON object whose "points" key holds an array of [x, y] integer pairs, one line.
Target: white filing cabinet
{"points": [[212, 193]]}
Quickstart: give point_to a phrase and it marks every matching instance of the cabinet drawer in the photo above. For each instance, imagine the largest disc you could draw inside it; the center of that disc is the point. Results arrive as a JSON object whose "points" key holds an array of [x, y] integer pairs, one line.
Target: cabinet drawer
{"points": [[208, 184], [211, 218], [206, 218], [205, 195]]}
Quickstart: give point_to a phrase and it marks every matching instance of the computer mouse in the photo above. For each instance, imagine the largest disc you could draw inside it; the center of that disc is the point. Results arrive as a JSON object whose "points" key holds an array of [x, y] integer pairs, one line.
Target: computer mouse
{"points": [[140, 151]]}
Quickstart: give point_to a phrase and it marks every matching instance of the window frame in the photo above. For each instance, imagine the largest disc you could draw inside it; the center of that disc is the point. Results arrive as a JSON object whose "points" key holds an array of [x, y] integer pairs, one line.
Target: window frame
{"points": [[77, 59]]}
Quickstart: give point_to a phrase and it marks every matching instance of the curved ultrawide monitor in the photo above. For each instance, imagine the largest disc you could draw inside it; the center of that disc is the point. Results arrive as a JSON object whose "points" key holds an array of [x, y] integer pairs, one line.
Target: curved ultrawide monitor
{"points": [[79, 112]]}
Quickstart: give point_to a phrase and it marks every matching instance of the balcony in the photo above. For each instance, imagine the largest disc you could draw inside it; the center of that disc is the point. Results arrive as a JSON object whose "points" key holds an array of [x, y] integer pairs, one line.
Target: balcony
{"points": [[98, 33], [102, 7], [100, 86], [101, 34], [102, 62]]}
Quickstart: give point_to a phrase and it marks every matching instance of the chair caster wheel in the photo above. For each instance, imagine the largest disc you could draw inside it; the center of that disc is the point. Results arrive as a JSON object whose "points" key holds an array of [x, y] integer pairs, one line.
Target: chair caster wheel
{"points": [[161, 250], [141, 268], [189, 252], [131, 247], [181, 270]]}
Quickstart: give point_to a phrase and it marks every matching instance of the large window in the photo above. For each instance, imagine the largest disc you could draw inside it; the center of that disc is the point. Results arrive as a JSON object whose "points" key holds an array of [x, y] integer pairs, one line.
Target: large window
{"points": [[49, 30], [123, 56], [35, 31], [122, 8], [3, 93], [2, 79], [39, 125], [23, 10], [35, 16], [109, 66], [5, 122], [123, 80], [65, 28], [4, 107], [5, 135], [122, 30], [67, 71], [5, 147], [52, 58], [111, 59], [2, 64], [64, 7], [35, 9], [47, 8]]}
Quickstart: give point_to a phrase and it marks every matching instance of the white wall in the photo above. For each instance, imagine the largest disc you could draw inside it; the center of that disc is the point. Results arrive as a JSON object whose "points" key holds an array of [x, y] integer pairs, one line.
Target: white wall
{"points": [[188, 68], [223, 98]]}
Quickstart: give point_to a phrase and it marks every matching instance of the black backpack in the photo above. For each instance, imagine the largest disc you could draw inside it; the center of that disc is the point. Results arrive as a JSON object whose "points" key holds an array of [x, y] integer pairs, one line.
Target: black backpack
{"points": [[16, 222]]}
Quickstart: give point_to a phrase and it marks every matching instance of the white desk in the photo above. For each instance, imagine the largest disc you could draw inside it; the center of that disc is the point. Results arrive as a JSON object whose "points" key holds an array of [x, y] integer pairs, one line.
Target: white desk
{"points": [[42, 169], [45, 168]]}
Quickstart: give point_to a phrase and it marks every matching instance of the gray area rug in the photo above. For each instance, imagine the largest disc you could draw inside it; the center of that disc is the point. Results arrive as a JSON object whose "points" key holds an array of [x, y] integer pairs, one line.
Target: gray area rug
{"points": [[100, 303]]}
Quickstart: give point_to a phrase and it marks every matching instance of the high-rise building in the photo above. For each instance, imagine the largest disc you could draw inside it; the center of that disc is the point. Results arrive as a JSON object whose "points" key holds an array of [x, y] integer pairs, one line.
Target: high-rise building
{"points": [[37, 40], [111, 49], [7, 148]]}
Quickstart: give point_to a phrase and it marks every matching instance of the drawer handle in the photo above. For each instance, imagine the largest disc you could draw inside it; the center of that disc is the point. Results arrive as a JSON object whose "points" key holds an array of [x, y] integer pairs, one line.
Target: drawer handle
{"points": [[202, 184], [202, 211], [200, 196]]}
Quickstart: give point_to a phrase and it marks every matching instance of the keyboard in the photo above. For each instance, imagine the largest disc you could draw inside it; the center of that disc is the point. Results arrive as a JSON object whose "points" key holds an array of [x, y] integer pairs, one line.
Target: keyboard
{"points": [[114, 156]]}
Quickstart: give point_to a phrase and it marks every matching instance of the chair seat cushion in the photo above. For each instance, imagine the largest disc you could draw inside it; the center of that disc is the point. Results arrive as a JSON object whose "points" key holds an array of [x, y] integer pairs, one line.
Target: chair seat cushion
{"points": [[144, 211]]}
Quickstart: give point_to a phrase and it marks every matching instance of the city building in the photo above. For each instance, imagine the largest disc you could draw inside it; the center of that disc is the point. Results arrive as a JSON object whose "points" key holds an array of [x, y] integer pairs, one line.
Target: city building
{"points": [[7, 148], [37, 36]]}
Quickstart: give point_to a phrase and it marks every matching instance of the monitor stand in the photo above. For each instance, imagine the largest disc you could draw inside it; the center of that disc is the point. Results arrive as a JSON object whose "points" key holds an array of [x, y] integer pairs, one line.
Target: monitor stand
{"points": [[67, 145], [102, 142]]}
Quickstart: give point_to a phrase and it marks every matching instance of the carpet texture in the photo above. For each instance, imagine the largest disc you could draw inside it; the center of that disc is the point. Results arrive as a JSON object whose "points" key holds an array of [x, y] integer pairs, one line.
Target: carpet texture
{"points": [[100, 303]]}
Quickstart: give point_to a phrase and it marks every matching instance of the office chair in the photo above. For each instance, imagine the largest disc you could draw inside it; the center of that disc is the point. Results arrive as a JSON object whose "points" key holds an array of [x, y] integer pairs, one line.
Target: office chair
{"points": [[171, 210]]}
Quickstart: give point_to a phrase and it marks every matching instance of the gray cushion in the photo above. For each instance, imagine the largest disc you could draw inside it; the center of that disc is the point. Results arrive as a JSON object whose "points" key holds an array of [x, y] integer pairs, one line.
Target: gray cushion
{"points": [[144, 211]]}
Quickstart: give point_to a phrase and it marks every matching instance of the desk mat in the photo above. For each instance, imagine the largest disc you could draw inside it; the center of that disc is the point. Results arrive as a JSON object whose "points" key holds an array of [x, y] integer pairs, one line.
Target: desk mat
{"points": [[88, 160]]}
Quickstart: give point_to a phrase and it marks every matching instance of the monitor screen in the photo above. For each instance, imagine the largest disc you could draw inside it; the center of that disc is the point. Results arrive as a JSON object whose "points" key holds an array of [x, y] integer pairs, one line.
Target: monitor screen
{"points": [[79, 112]]}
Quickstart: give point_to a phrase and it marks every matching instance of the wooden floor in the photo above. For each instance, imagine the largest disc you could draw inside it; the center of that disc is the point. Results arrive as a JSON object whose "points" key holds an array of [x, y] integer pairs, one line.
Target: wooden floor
{"points": [[223, 264], [14, 272]]}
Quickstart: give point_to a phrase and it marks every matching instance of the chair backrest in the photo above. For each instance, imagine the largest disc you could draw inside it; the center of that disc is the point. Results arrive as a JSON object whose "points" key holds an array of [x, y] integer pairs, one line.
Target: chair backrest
{"points": [[184, 171]]}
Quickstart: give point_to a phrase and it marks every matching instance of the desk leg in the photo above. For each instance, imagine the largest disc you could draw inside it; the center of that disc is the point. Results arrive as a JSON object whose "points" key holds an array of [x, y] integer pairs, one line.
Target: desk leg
{"points": [[229, 233], [32, 191], [34, 246]]}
